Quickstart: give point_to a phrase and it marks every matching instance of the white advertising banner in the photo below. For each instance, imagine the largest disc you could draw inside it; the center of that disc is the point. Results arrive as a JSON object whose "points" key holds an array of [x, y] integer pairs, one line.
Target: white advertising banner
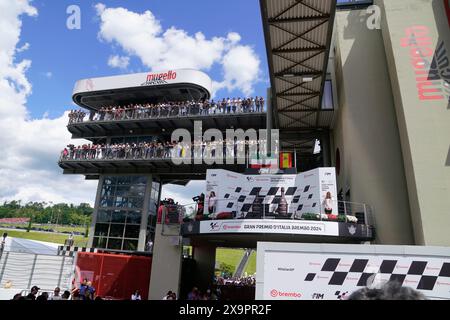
{"points": [[279, 195], [320, 228], [180, 76], [295, 275]]}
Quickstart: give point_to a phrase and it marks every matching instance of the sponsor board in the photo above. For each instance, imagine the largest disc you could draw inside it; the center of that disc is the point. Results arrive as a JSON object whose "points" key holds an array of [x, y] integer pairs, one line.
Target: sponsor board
{"points": [[330, 272], [323, 228], [239, 194]]}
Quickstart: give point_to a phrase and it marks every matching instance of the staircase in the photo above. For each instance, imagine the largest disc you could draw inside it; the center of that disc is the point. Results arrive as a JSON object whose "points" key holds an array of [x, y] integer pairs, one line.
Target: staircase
{"points": [[241, 267]]}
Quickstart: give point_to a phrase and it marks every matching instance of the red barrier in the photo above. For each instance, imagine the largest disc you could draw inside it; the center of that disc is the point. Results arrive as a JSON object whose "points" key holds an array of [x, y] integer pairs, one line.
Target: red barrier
{"points": [[113, 275]]}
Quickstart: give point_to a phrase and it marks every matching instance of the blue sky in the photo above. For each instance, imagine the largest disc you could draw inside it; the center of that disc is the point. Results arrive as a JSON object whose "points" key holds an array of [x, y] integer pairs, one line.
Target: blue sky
{"points": [[70, 55], [41, 59]]}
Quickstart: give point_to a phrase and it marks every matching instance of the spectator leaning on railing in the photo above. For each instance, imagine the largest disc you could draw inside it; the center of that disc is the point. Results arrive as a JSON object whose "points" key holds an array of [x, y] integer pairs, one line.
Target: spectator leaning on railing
{"points": [[170, 109], [160, 150]]}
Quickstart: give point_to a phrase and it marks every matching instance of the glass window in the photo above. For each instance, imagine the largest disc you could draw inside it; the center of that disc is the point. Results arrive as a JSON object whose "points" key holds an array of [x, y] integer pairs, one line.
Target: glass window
{"points": [[104, 216], [137, 191], [107, 190], [107, 202], [123, 180], [327, 99], [135, 202], [122, 191], [121, 202], [116, 230], [139, 180], [118, 216], [353, 3], [132, 231], [99, 242], [101, 229], [110, 180], [130, 245], [115, 244], [134, 217]]}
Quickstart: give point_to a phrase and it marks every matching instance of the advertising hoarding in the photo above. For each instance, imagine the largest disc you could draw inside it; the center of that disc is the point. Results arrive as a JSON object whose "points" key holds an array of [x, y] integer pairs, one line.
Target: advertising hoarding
{"points": [[286, 195], [287, 271]]}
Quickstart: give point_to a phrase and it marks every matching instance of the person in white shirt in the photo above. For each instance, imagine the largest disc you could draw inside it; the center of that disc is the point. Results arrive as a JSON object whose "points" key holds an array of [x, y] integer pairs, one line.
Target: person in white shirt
{"points": [[328, 203], [56, 295], [136, 295], [212, 202]]}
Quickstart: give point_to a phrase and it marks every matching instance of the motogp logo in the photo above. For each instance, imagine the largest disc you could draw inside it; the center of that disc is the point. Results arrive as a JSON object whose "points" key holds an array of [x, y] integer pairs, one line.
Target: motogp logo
{"points": [[214, 226]]}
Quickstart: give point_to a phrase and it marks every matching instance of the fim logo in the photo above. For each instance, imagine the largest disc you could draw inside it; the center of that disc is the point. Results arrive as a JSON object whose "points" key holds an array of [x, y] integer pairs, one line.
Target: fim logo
{"points": [[317, 296]]}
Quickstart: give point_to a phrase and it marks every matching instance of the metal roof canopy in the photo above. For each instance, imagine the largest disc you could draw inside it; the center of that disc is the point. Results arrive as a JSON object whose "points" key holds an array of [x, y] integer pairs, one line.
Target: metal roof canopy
{"points": [[146, 87], [298, 38], [95, 100]]}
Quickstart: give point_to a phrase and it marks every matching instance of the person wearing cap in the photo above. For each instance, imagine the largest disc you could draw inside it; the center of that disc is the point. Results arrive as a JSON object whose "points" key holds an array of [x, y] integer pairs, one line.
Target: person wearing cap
{"points": [[33, 293]]}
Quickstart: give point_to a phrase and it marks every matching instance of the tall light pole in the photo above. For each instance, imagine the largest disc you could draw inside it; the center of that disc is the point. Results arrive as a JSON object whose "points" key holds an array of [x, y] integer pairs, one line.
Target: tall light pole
{"points": [[51, 217], [2, 245], [57, 217]]}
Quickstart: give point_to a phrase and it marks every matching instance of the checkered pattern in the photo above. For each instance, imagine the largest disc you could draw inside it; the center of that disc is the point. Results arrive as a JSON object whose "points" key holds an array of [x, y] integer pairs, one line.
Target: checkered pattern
{"points": [[271, 199], [69, 251], [414, 274]]}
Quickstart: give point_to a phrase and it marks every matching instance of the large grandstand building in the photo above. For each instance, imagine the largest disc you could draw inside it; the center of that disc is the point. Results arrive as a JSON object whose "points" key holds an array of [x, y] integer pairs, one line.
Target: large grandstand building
{"points": [[375, 95]]}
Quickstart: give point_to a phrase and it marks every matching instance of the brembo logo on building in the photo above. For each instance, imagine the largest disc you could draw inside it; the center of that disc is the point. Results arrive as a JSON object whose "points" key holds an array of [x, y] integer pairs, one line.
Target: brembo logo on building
{"points": [[275, 293], [159, 78], [431, 66]]}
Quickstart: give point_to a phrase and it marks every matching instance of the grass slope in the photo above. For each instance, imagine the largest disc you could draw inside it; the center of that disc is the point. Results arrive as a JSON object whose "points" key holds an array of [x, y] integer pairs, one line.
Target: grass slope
{"points": [[47, 237]]}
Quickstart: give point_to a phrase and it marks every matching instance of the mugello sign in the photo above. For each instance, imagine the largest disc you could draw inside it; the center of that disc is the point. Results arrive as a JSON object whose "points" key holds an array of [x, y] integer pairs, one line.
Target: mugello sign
{"points": [[160, 78]]}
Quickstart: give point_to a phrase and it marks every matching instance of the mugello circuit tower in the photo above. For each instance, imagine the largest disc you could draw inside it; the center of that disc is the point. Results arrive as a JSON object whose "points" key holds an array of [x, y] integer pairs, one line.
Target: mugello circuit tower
{"points": [[369, 80]]}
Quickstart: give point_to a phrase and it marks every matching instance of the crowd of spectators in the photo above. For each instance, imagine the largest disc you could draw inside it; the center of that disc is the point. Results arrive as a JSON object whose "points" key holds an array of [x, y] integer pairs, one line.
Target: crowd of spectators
{"points": [[249, 281], [44, 296], [168, 109], [160, 150], [196, 294]]}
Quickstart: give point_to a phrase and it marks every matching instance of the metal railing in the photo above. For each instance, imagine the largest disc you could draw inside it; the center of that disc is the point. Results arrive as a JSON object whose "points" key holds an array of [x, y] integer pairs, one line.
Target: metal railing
{"points": [[24, 270], [146, 113], [114, 153]]}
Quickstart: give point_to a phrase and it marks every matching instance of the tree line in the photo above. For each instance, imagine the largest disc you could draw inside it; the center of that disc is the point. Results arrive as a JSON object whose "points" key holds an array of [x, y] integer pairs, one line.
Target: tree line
{"points": [[48, 212]]}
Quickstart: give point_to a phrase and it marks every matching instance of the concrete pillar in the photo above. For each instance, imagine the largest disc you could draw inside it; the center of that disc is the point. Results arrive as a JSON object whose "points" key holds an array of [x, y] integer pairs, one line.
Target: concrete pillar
{"points": [[205, 259], [166, 262], [95, 213], [269, 124], [145, 215]]}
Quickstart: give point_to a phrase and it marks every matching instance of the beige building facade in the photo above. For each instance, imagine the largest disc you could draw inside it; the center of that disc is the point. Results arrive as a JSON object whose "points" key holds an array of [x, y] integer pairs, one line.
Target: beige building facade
{"points": [[391, 135]]}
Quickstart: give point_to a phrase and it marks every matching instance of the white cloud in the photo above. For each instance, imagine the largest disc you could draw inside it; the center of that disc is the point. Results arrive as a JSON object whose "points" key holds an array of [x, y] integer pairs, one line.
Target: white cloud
{"points": [[183, 194], [23, 48], [142, 35], [29, 147], [118, 62]]}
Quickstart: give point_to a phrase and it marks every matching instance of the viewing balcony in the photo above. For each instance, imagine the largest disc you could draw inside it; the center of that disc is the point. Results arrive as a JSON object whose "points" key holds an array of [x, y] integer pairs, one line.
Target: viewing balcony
{"points": [[246, 223], [162, 164], [155, 121]]}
